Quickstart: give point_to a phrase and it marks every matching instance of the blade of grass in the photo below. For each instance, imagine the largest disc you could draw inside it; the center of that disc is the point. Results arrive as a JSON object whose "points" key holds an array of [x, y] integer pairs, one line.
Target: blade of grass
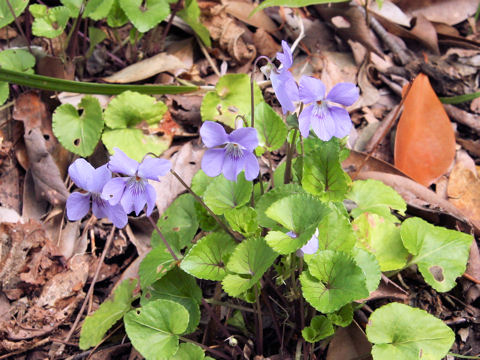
{"points": [[459, 98], [54, 84]]}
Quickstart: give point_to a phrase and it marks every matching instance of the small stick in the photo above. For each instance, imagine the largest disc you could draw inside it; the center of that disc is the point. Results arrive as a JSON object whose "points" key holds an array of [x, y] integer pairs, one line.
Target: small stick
{"points": [[169, 24], [167, 245], [259, 339], [199, 199]]}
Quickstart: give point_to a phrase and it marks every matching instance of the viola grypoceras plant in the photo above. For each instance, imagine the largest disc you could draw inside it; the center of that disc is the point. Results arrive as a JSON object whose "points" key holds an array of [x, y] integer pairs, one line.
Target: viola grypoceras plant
{"points": [[229, 153], [86, 177], [133, 191]]}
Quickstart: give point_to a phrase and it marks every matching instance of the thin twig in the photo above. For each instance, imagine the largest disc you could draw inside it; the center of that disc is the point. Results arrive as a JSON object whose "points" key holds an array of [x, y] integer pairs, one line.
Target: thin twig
{"points": [[199, 199], [259, 339], [169, 24], [170, 250], [208, 57], [27, 348], [92, 285]]}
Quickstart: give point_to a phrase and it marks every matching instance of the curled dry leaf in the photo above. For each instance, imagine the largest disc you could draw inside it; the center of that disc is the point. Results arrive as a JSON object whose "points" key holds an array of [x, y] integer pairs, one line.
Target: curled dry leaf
{"points": [[241, 10], [425, 140]]}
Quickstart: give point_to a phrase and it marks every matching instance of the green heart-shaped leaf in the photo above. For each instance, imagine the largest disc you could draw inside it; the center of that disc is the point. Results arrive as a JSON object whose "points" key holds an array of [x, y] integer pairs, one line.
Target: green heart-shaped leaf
{"points": [[79, 133], [320, 328], [6, 16], [49, 22], [222, 194], [145, 15]]}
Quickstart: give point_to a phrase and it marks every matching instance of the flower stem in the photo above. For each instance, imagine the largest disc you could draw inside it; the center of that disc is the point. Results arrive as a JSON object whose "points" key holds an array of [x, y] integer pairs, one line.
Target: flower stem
{"points": [[169, 248], [199, 199], [260, 323], [252, 94], [288, 166]]}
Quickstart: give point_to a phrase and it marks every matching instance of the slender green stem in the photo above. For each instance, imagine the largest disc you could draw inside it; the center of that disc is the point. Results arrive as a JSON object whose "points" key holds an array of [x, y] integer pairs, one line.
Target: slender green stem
{"points": [[54, 84], [288, 166], [199, 199], [169, 248], [74, 27]]}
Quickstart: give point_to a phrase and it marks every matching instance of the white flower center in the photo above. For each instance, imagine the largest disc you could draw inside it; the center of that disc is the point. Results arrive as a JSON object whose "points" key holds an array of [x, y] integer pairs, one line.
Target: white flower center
{"points": [[234, 150]]}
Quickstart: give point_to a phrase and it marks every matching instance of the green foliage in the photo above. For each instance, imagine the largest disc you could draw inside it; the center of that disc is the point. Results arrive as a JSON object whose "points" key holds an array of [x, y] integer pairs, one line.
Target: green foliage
{"points": [[110, 311], [79, 133], [188, 351], [440, 254], [178, 223], [298, 213], [49, 22], [191, 14], [230, 98], [222, 194], [375, 197], [116, 17], [277, 193], [145, 15], [97, 9], [73, 6], [400, 332], [125, 116], [247, 264], [155, 265], [342, 317], [200, 182], [333, 279], [207, 258], [322, 172], [382, 238], [6, 16], [320, 328], [179, 287], [154, 328], [272, 131], [243, 220], [14, 59], [370, 266], [292, 3], [335, 231], [96, 36]]}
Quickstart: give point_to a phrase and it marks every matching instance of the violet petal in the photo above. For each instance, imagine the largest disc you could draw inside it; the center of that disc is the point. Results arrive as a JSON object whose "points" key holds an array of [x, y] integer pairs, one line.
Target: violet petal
{"points": [[152, 168], [122, 164], [233, 167], [212, 162], [251, 166], [286, 58], [322, 123], [113, 190], [343, 123], [305, 119], [151, 197], [343, 93], [117, 215], [213, 134], [101, 176], [82, 173], [246, 137], [311, 89], [78, 205]]}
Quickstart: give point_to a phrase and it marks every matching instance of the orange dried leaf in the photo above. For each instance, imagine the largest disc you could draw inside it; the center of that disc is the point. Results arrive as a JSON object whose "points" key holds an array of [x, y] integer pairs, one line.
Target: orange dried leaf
{"points": [[425, 141]]}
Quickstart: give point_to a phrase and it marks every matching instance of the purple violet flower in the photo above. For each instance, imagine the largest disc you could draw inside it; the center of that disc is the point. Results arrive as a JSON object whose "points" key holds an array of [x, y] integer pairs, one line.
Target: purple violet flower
{"points": [[92, 180], [134, 191], [283, 82], [325, 119], [235, 156], [311, 247]]}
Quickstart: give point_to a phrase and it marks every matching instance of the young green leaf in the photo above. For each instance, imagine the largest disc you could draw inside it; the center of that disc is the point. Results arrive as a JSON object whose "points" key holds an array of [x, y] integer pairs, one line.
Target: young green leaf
{"points": [[401, 332], [134, 142], [292, 3], [6, 16], [382, 238], [267, 199], [322, 171], [320, 328], [73, 6], [96, 36], [272, 131], [180, 287], [243, 220], [342, 317], [375, 197], [14, 59], [49, 22], [332, 280], [4, 92], [370, 266], [247, 264], [97, 9], [222, 194], [441, 254], [335, 231], [207, 258], [79, 133], [155, 265], [153, 329], [188, 351], [116, 17], [230, 98], [145, 15], [110, 311], [131, 108], [191, 15], [178, 223], [200, 182]]}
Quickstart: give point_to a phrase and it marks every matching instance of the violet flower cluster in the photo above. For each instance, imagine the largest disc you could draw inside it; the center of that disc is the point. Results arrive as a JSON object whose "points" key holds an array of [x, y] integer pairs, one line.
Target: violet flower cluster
{"points": [[325, 119], [114, 198]]}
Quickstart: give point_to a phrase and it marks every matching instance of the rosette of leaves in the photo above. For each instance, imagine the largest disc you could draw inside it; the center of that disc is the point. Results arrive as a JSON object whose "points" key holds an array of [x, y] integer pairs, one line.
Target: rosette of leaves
{"points": [[17, 60], [130, 117]]}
